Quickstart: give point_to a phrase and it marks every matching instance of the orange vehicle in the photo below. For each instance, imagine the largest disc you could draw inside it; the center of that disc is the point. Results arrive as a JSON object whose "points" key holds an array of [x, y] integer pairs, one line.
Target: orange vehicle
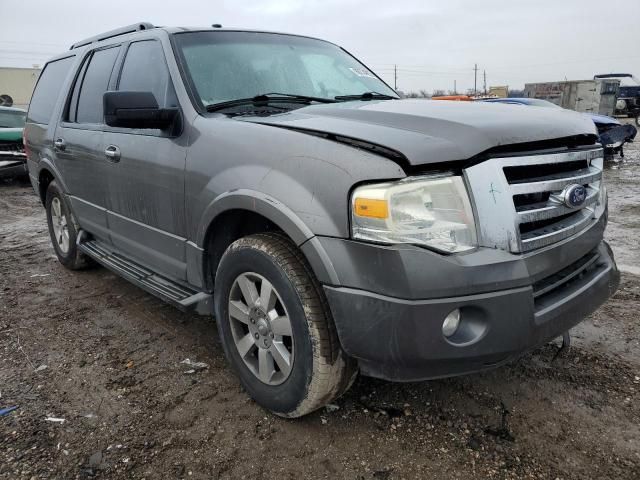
{"points": [[456, 98]]}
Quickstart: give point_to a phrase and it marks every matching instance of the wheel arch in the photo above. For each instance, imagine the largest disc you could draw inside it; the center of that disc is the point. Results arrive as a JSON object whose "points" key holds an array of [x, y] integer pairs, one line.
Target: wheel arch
{"points": [[47, 173], [244, 212]]}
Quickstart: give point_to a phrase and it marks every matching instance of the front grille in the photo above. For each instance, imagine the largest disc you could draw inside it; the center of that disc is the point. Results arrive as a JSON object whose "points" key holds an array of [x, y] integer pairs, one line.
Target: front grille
{"points": [[520, 199], [11, 149]]}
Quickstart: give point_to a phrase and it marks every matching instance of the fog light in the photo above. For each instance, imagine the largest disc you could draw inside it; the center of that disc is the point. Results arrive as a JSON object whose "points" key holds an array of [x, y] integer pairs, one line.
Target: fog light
{"points": [[451, 323]]}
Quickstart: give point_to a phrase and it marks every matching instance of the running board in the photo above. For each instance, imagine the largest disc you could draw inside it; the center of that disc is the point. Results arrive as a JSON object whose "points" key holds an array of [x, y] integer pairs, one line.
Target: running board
{"points": [[184, 298]]}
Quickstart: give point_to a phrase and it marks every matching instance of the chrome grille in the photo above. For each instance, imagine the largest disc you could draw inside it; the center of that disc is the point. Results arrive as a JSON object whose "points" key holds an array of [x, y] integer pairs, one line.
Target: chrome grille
{"points": [[520, 200]]}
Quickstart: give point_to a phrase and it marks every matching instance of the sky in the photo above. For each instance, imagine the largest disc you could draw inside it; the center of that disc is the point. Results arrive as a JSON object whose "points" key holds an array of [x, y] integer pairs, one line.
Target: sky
{"points": [[433, 43]]}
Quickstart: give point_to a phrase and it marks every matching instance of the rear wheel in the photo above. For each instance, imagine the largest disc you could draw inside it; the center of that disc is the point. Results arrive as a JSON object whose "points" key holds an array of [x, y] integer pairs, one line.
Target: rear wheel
{"points": [[276, 327], [63, 229]]}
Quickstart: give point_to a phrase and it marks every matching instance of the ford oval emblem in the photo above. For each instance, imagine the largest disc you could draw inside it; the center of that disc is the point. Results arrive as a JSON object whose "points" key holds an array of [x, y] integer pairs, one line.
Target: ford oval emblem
{"points": [[574, 195]]}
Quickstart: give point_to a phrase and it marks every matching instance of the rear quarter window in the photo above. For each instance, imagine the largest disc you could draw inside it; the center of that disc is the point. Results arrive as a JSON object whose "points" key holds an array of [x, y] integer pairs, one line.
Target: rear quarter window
{"points": [[48, 89]]}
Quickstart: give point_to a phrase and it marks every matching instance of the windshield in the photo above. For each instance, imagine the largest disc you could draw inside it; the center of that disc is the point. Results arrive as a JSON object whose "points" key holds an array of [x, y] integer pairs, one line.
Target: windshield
{"points": [[224, 66], [12, 118]]}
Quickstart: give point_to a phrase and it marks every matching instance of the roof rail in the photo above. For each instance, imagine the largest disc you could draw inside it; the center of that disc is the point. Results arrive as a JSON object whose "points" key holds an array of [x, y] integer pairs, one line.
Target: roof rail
{"points": [[136, 27]]}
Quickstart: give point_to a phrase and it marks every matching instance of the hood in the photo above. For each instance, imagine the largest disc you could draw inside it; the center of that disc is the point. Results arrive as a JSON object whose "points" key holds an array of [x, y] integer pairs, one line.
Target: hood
{"points": [[10, 134], [427, 131]]}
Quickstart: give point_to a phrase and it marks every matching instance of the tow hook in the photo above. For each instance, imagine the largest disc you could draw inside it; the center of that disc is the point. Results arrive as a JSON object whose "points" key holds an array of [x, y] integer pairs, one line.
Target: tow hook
{"points": [[566, 344]]}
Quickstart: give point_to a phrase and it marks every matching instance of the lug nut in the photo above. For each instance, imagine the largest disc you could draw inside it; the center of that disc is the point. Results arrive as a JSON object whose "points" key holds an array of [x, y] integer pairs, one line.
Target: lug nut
{"points": [[256, 335]]}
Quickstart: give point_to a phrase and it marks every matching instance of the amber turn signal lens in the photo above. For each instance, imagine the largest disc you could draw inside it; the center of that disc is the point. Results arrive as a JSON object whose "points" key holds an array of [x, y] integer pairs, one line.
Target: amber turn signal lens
{"points": [[366, 207]]}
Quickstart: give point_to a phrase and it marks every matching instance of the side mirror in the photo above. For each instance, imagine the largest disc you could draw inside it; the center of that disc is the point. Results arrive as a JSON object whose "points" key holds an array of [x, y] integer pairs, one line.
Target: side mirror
{"points": [[136, 110]]}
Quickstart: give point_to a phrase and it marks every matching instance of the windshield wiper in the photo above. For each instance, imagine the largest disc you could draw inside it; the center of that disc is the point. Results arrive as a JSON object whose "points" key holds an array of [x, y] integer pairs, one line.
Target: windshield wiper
{"points": [[265, 99], [366, 96]]}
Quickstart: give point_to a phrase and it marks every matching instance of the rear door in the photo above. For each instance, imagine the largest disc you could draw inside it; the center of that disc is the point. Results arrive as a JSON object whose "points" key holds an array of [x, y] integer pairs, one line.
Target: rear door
{"points": [[79, 143], [40, 126], [146, 185]]}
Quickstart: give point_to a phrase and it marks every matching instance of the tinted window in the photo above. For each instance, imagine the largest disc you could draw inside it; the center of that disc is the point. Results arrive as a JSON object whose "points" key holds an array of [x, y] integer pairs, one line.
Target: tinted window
{"points": [[73, 104], [145, 70], [47, 90], [94, 84]]}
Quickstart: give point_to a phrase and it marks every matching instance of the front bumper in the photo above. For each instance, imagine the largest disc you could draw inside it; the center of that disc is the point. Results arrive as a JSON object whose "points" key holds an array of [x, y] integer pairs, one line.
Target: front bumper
{"points": [[13, 168], [534, 299]]}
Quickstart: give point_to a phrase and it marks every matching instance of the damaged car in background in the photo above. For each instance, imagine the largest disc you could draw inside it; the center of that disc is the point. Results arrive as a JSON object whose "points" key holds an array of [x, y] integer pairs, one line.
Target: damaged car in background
{"points": [[13, 160], [612, 133]]}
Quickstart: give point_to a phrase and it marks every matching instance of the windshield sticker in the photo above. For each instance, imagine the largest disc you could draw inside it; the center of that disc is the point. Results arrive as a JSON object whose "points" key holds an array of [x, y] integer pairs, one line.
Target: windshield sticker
{"points": [[362, 72]]}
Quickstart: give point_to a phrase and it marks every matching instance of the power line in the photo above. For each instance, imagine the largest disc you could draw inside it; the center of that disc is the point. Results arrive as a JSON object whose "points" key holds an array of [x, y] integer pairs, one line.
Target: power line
{"points": [[33, 43], [382, 66], [415, 72], [31, 59], [26, 52]]}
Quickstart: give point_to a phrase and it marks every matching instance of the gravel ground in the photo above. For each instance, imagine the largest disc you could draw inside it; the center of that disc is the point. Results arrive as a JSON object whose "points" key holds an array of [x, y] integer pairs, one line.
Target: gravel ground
{"points": [[106, 357]]}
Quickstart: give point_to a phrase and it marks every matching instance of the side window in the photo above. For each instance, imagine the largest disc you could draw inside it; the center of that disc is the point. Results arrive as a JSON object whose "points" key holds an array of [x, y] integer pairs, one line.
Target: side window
{"points": [[145, 70], [93, 81], [47, 90]]}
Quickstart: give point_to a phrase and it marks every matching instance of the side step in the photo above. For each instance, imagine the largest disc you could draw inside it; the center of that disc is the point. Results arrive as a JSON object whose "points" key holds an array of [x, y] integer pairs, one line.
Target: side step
{"points": [[184, 298]]}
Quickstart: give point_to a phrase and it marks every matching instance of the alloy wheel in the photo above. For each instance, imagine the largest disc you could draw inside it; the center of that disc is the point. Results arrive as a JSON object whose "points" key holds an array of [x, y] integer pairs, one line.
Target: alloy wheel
{"points": [[261, 328], [60, 225]]}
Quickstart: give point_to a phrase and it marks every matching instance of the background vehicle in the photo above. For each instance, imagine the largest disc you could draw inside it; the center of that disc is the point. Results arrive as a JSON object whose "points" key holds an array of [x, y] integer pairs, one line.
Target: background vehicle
{"points": [[13, 161], [275, 181], [613, 134], [589, 96], [628, 102]]}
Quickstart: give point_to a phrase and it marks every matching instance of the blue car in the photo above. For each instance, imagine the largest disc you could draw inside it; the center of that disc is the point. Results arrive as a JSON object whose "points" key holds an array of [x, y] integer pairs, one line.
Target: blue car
{"points": [[613, 134]]}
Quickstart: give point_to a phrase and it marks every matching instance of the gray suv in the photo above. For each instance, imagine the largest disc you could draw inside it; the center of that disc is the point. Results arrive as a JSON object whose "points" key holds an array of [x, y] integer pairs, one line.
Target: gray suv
{"points": [[331, 228]]}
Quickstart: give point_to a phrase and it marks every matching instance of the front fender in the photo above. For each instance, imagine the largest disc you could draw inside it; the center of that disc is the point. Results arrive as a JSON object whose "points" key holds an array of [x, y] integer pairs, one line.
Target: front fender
{"points": [[282, 216], [260, 203]]}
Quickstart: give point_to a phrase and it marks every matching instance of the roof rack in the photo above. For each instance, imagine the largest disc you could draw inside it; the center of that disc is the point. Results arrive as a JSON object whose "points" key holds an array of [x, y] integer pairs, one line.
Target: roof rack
{"points": [[136, 27]]}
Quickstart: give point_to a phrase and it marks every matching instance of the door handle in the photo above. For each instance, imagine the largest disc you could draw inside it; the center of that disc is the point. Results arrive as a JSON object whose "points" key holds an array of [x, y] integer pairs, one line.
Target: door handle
{"points": [[112, 153], [59, 144]]}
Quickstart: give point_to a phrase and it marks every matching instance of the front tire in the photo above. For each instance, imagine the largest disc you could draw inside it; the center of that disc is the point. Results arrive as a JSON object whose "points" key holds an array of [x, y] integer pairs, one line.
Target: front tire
{"points": [[276, 327], [63, 229]]}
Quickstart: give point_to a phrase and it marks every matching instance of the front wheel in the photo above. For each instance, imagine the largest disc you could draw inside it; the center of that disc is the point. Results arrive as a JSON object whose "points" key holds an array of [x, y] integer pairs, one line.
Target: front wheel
{"points": [[276, 327]]}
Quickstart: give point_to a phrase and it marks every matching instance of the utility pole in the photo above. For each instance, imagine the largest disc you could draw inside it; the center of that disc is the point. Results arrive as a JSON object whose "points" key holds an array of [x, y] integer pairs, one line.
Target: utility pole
{"points": [[475, 79], [455, 87], [485, 81], [395, 77]]}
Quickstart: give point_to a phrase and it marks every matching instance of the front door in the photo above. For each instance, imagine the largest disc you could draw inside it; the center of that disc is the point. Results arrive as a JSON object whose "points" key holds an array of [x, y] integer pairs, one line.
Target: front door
{"points": [[79, 144], [146, 183]]}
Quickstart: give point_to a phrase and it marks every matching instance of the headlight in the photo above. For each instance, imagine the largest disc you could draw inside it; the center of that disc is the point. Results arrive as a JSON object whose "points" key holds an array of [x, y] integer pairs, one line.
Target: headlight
{"points": [[431, 211]]}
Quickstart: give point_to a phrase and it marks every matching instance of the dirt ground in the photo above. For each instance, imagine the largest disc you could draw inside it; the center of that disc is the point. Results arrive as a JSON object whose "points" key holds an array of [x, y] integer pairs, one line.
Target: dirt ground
{"points": [[106, 357]]}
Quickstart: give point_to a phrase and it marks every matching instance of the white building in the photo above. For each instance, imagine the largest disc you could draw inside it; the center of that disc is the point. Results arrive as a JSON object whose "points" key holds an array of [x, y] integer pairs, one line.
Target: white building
{"points": [[16, 85]]}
